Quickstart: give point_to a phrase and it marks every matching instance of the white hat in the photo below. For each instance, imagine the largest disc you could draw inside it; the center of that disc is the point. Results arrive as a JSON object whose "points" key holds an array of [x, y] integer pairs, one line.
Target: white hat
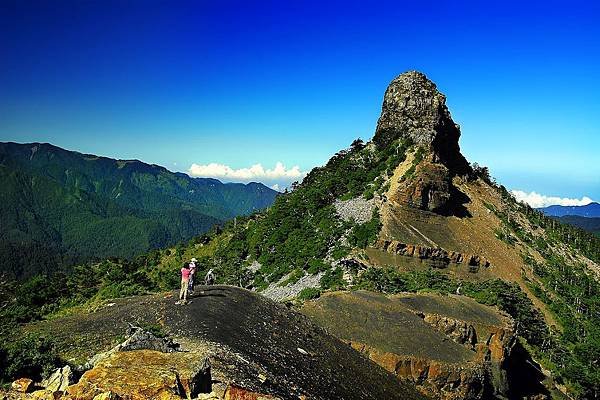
{"points": [[193, 259]]}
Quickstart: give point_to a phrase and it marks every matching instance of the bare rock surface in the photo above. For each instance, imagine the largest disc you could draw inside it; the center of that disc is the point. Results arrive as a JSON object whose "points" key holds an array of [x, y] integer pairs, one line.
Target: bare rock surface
{"points": [[450, 346], [59, 380], [414, 108], [279, 291]]}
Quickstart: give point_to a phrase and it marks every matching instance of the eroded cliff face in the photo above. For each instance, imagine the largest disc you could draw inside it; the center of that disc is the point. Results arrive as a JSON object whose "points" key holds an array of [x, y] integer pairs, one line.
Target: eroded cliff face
{"points": [[472, 261], [450, 347]]}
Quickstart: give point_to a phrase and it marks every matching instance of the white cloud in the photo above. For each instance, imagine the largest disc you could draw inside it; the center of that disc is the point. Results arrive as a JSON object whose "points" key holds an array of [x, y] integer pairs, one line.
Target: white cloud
{"points": [[278, 176], [537, 200], [276, 187]]}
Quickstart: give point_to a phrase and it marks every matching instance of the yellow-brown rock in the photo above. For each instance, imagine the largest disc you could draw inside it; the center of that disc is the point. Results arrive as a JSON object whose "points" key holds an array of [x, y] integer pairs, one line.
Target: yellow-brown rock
{"points": [[107, 396], [137, 375], [21, 385], [431, 253], [237, 393], [45, 395]]}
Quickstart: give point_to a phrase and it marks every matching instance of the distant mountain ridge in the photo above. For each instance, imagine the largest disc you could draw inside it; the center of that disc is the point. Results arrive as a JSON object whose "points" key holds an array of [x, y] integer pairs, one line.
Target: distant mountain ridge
{"points": [[58, 206], [589, 210]]}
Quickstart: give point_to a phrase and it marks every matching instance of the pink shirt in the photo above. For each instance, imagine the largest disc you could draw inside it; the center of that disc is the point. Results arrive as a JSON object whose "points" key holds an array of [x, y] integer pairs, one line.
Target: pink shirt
{"points": [[185, 273]]}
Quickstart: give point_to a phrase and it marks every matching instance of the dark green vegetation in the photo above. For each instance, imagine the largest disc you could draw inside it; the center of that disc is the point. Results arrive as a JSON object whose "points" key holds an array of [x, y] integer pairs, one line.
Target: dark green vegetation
{"points": [[556, 233], [301, 230], [58, 207], [569, 289]]}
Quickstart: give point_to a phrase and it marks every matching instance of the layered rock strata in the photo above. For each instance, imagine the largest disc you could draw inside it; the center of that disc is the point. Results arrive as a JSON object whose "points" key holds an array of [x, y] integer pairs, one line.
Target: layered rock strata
{"points": [[431, 253]]}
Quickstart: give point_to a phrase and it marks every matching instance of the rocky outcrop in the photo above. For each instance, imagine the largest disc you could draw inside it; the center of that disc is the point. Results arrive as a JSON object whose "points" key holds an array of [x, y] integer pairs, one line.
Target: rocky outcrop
{"points": [[473, 261], [461, 332], [138, 339], [145, 374], [285, 290], [22, 385], [428, 188], [413, 109], [59, 380], [438, 379]]}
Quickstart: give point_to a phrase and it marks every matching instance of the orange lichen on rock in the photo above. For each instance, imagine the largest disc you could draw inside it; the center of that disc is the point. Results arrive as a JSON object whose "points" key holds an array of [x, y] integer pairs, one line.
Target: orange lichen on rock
{"points": [[238, 393], [140, 374]]}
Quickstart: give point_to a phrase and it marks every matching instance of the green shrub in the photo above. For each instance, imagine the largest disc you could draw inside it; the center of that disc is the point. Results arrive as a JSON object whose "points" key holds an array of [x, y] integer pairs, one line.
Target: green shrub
{"points": [[365, 234], [333, 279], [29, 356], [309, 294]]}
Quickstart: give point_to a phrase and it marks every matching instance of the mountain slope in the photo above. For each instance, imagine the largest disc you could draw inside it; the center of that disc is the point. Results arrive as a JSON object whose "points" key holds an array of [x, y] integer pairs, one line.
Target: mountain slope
{"points": [[403, 212], [407, 207], [60, 206]]}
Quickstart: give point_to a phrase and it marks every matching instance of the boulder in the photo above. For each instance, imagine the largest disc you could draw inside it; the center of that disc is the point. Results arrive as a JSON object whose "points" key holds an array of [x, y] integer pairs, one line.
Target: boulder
{"points": [[144, 374], [139, 339], [22, 385], [59, 380]]}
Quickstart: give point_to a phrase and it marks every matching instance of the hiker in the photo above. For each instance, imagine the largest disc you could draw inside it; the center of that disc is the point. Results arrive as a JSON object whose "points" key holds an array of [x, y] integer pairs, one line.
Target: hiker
{"points": [[192, 265], [209, 279], [185, 281]]}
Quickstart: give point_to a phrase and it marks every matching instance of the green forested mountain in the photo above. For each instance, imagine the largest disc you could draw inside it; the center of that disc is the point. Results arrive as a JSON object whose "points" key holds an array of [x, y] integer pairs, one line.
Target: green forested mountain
{"points": [[59, 206]]}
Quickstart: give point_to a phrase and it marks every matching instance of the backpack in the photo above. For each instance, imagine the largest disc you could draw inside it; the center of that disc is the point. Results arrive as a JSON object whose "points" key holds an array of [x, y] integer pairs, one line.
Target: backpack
{"points": [[209, 279]]}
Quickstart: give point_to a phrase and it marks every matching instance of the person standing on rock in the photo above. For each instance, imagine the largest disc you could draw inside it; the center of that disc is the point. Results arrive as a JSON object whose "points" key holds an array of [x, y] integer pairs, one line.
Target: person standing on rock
{"points": [[185, 281], [192, 265]]}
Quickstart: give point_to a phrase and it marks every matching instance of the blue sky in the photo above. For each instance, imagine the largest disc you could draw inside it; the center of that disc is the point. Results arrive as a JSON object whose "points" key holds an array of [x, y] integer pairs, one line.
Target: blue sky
{"points": [[243, 83]]}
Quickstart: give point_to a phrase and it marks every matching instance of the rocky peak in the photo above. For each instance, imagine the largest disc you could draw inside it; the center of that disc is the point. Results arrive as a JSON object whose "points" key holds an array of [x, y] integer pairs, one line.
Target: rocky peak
{"points": [[414, 108]]}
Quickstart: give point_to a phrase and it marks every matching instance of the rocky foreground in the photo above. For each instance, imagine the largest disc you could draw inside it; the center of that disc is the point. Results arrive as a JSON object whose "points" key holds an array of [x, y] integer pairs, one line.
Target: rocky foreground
{"points": [[229, 343]]}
